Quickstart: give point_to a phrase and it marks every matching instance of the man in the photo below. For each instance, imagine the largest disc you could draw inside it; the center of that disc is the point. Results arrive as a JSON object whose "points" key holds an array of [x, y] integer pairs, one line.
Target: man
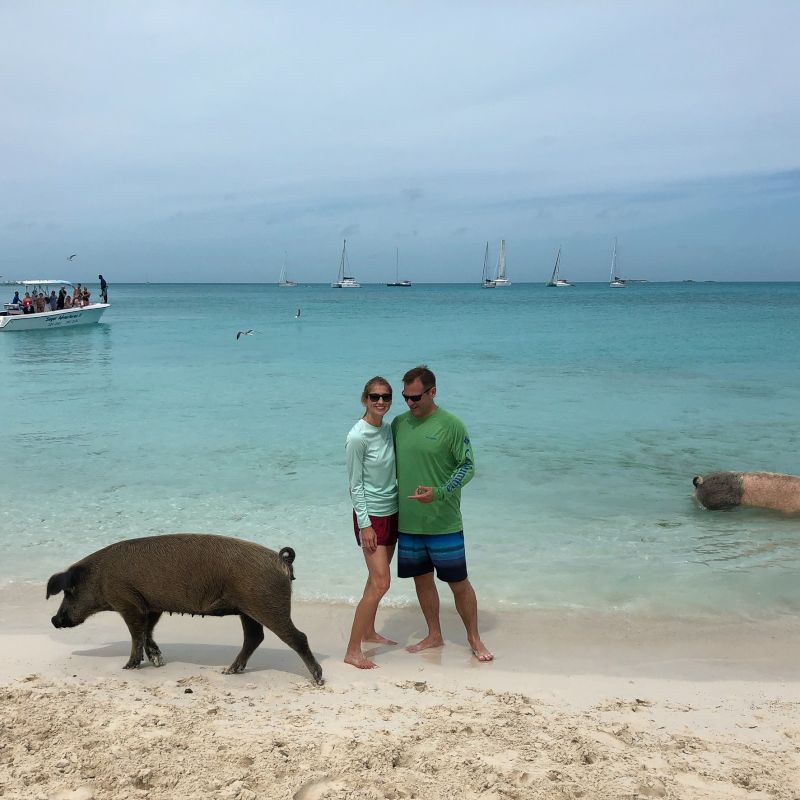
{"points": [[434, 460], [103, 289]]}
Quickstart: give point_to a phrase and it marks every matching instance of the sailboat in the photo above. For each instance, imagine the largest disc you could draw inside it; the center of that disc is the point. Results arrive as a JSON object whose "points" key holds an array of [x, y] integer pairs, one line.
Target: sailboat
{"points": [[486, 281], [282, 281], [614, 281], [501, 279], [555, 280], [397, 281], [345, 281]]}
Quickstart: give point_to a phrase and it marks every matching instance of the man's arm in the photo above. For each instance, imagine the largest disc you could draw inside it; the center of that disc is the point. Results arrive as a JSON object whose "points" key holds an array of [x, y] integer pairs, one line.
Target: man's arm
{"points": [[465, 471]]}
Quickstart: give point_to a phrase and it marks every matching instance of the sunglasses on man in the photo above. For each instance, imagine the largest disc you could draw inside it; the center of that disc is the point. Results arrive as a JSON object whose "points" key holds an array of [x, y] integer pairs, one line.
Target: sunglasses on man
{"points": [[415, 398]]}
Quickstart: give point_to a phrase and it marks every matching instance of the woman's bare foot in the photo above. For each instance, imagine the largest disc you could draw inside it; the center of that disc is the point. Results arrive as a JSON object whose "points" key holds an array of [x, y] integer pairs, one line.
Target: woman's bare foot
{"points": [[427, 643], [359, 660], [479, 650], [376, 638]]}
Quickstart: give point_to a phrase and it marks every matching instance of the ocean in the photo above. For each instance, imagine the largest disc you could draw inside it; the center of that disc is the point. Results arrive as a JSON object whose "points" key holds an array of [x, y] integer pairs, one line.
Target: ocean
{"points": [[590, 410]]}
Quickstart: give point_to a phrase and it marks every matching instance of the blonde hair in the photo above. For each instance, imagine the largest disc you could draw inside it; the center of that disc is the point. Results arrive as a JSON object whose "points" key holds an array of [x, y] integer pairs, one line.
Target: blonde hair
{"points": [[371, 383]]}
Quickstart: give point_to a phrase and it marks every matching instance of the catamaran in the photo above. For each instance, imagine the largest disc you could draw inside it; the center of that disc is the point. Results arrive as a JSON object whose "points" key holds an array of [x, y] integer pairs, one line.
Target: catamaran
{"points": [[501, 279], [397, 281], [555, 280], [283, 281], [345, 281], [486, 281], [614, 281], [13, 319]]}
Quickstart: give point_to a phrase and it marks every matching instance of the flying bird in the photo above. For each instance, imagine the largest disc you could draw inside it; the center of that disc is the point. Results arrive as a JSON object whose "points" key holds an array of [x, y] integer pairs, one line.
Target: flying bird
{"points": [[244, 333], [69, 258]]}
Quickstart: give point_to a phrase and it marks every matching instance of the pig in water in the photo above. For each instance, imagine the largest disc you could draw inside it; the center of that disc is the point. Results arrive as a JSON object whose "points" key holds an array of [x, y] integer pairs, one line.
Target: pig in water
{"points": [[186, 573], [722, 491]]}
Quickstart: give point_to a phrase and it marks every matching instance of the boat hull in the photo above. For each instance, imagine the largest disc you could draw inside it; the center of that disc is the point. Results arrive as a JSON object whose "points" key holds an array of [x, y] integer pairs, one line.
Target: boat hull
{"points": [[48, 320]]}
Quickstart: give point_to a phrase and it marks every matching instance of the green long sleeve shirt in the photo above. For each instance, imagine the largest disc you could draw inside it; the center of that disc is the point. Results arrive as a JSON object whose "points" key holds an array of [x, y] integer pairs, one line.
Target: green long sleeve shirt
{"points": [[434, 451]]}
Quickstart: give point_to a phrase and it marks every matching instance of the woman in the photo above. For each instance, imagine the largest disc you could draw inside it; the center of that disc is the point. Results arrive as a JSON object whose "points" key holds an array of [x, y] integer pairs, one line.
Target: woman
{"points": [[373, 489]]}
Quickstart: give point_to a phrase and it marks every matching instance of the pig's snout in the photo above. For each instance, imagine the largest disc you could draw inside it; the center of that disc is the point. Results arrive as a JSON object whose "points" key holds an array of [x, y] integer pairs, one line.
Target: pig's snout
{"points": [[62, 620]]}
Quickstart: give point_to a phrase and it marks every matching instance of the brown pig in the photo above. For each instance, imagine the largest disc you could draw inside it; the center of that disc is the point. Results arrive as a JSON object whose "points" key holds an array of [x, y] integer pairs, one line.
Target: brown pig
{"points": [[186, 573], [721, 491]]}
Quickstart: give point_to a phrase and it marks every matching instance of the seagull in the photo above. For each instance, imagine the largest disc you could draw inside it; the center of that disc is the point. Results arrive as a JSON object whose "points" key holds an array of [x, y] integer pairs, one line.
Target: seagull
{"points": [[71, 257], [244, 333]]}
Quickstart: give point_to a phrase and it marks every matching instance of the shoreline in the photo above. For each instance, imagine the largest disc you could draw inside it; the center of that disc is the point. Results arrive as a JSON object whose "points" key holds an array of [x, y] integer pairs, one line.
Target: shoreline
{"points": [[571, 707]]}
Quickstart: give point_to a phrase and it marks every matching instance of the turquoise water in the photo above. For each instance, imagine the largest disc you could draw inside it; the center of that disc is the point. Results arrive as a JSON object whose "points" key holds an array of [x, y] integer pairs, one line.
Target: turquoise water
{"points": [[590, 410]]}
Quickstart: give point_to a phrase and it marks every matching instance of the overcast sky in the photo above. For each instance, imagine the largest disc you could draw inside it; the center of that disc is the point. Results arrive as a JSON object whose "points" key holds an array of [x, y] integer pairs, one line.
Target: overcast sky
{"points": [[200, 141]]}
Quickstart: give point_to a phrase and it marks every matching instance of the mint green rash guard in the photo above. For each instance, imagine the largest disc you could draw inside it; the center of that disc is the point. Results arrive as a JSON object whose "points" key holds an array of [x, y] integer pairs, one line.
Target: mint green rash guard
{"points": [[436, 452], [371, 471]]}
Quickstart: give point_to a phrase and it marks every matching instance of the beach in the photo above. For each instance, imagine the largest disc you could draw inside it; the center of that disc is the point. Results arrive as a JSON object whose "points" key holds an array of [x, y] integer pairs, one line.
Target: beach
{"points": [[574, 706]]}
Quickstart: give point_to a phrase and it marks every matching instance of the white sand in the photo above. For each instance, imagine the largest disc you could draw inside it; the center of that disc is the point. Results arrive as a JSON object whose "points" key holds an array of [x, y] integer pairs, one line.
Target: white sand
{"points": [[573, 707]]}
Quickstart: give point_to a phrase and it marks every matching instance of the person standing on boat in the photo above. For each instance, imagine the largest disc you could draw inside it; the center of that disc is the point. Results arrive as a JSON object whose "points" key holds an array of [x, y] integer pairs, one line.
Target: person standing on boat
{"points": [[15, 301], [434, 461], [62, 293], [373, 491], [103, 289]]}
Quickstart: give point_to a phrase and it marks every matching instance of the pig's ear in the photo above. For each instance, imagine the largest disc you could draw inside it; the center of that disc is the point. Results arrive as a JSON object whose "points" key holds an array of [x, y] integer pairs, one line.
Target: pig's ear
{"points": [[65, 580], [57, 583]]}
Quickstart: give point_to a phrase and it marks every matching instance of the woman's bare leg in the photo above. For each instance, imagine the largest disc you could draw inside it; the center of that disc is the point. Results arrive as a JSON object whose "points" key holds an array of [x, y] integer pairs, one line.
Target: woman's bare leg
{"points": [[364, 618]]}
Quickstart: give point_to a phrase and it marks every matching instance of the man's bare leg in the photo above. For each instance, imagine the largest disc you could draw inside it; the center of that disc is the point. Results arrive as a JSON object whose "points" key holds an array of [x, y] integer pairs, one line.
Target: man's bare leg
{"points": [[428, 598], [467, 607]]}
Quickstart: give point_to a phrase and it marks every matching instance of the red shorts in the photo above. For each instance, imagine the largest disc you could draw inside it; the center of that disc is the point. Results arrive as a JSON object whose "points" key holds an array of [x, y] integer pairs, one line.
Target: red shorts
{"points": [[385, 529]]}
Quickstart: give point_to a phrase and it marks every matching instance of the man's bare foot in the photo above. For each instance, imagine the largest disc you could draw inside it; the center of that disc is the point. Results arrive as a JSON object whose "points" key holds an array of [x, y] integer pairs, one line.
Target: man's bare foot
{"points": [[479, 651], [376, 638], [427, 643], [359, 660]]}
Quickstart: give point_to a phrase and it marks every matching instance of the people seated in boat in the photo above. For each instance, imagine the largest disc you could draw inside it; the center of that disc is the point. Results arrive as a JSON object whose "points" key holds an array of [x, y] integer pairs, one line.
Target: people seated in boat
{"points": [[39, 303], [85, 296], [53, 300], [15, 301], [27, 303], [67, 302], [62, 293]]}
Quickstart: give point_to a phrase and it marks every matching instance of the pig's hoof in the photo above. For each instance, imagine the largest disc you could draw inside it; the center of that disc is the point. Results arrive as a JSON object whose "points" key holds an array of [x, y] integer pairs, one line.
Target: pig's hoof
{"points": [[131, 665], [233, 669], [157, 660]]}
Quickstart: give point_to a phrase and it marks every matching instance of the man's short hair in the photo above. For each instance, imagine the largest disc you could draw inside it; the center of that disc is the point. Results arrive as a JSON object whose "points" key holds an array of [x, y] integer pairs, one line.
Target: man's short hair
{"points": [[423, 373]]}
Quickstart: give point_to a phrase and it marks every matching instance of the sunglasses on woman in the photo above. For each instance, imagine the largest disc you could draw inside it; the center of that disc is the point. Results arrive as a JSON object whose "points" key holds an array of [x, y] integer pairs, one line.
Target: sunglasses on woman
{"points": [[375, 396]]}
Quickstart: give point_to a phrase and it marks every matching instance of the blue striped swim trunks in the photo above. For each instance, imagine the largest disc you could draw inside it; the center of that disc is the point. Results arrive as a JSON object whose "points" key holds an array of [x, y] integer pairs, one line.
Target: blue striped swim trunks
{"points": [[419, 553]]}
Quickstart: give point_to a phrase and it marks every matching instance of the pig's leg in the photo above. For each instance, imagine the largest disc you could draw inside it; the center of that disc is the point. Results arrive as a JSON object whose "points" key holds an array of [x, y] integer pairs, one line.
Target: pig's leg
{"points": [[253, 636], [298, 641], [151, 649], [136, 621]]}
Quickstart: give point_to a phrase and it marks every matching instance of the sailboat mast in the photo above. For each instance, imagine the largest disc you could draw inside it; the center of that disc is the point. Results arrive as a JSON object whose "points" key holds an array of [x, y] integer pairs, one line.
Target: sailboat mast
{"points": [[501, 261], [397, 265], [614, 261]]}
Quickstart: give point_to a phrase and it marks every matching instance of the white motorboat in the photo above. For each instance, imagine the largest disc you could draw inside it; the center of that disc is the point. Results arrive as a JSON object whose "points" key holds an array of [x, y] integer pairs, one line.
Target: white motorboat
{"points": [[555, 279], [614, 281], [283, 281], [397, 281], [12, 317], [486, 281], [501, 279], [345, 281]]}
